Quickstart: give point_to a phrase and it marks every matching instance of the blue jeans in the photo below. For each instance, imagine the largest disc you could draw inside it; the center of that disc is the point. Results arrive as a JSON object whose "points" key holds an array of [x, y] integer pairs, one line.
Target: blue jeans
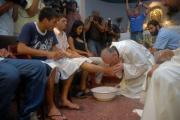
{"points": [[95, 47], [34, 76]]}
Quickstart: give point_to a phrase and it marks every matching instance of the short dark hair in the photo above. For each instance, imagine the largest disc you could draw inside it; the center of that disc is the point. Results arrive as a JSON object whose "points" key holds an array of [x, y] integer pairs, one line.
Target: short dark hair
{"points": [[48, 13], [154, 23]]}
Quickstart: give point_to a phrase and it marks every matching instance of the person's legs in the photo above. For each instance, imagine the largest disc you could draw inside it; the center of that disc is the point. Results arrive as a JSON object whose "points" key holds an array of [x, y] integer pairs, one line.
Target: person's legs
{"points": [[139, 37], [92, 47], [34, 77], [133, 36], [53, 111], [92, 67], [84, 76], [99, 47], [64, 95], [9, 80]]}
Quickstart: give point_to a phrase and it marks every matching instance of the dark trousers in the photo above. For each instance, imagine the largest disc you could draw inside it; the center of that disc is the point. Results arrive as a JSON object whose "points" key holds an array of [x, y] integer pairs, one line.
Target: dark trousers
{"points": [[34, 76], [137, 36]]}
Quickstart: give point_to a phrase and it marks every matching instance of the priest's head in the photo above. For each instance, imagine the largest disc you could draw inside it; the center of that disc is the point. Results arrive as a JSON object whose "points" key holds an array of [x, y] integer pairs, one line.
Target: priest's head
{"points": [[153, 27], [111, 56]]}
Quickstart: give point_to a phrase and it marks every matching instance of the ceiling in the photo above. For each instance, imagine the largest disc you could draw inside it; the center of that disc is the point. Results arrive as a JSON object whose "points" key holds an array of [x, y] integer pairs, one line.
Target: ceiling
{"points": [[122, 1]]}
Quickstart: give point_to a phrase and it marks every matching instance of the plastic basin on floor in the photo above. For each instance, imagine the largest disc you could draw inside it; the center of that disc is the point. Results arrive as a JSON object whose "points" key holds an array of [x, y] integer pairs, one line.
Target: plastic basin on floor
{"points": [[104, 93]]}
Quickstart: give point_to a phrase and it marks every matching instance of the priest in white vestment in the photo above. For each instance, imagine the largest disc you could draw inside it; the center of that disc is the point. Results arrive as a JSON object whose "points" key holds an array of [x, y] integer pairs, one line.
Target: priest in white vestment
{"points": [[163, 96], [136, 60]]}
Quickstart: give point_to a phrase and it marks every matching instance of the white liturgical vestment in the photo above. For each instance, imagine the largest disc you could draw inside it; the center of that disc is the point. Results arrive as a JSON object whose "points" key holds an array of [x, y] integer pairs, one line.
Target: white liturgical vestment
{"points": [[163, 96], [137, 60]]}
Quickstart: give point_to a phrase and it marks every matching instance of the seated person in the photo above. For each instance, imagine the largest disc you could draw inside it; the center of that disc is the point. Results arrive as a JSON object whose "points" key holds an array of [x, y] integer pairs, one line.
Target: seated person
{"points": [[71, 62], [34, 77], [76, 39], [78, 44], [163, 94], [166, 38]]}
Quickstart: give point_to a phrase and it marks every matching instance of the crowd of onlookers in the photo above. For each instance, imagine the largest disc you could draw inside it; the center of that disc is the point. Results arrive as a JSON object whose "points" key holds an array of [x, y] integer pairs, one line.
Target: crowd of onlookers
{"points": [[59, 44]]}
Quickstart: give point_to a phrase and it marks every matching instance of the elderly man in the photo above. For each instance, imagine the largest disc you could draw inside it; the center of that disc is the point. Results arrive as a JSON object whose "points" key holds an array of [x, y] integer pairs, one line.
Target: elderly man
{"points": [[166, 38], [135, 61]]}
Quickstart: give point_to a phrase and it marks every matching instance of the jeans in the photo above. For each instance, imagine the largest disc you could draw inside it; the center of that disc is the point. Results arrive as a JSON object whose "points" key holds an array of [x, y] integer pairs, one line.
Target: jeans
{"points": [[95, 47], [34, 76]]}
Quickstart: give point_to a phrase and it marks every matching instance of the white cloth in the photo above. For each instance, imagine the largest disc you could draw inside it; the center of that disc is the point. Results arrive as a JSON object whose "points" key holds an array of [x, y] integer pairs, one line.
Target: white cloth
{"points": [[137, 60], [163, 96], [66, 66]]}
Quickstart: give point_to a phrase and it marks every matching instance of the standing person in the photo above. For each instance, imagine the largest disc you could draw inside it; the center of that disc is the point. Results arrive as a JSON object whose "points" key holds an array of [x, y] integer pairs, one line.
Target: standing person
{"points": [[72, 14], [136, 20], [6, 17], [166, 39], [135, 61], [95, 28], [14, 71], [27, 14], [37, 39]]}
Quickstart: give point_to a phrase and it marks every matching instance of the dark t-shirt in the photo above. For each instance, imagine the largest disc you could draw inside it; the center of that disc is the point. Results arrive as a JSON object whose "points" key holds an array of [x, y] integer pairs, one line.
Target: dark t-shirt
{"points": [[79, 44], [34, 38], [94, 33]]}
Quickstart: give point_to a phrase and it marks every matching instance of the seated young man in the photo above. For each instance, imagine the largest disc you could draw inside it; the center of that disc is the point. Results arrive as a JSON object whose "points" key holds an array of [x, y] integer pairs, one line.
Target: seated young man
{"points": [[38, 40], [34, 77], [71, 62]]}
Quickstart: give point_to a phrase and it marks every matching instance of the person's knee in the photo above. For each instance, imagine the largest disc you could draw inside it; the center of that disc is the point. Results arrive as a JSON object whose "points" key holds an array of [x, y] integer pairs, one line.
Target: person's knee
{"points": [[11, 77], [38, 66]]}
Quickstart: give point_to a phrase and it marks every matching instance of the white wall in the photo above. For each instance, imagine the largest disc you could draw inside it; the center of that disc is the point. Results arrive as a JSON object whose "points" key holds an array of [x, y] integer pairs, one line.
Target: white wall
{"points": [[107, 10]]}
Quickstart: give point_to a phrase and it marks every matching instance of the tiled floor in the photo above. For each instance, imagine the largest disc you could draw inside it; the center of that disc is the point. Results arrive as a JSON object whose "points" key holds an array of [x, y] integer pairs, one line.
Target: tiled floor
{"points": [[118, 109]]}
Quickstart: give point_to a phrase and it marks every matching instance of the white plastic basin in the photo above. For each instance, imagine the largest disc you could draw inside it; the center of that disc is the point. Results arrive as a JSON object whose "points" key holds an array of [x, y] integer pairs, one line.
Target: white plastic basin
{"points": [[104, 93]]}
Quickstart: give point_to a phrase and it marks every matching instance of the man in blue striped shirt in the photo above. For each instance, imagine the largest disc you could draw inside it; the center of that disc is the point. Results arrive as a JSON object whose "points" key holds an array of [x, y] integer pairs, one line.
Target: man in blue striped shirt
{"points": [[166, 38]]}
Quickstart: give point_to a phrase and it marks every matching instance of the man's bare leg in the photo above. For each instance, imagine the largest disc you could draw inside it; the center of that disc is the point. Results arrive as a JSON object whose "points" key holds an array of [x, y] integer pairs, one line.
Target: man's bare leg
{"points": [[83, 82], [54, 112], [93, 68], [65, 91]]}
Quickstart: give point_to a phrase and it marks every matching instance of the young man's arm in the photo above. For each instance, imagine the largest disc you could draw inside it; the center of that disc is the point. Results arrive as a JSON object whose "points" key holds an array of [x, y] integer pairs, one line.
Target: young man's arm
{"points": [[22, 48]]}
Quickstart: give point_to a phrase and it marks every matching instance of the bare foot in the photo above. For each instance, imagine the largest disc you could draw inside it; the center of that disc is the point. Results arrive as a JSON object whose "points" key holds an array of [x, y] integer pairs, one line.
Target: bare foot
{"points": [[55, 114], [70, 105]]}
